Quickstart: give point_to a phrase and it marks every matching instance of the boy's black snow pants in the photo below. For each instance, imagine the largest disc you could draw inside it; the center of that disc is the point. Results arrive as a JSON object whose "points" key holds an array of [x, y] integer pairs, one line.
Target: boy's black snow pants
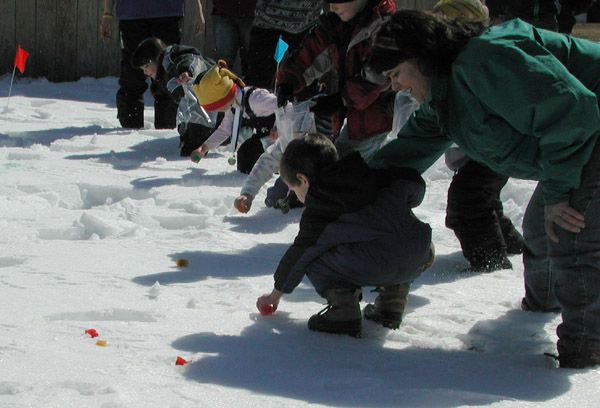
{"points": [[132, 81]]}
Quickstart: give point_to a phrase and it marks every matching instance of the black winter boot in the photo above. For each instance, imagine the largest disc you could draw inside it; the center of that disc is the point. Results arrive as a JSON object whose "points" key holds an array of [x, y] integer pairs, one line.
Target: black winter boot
{"points": [[513, 238], [389, 305], [342, 314], [488, 259]]}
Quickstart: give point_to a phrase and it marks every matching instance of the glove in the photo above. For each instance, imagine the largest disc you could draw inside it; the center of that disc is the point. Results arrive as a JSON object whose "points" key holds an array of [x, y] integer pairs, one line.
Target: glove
{"points": [[327, 105], [285, 93], [278, 191], [243, 203]]}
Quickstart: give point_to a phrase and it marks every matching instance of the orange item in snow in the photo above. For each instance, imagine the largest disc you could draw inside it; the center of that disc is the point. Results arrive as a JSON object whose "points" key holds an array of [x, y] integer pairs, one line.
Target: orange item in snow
{"points": [[101, 343], [182, 263]]}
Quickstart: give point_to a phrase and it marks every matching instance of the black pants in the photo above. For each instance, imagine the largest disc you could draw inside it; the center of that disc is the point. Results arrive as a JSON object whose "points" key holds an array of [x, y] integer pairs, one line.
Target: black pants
{"points": [[132, 81], [474, 210], [261, 66]]}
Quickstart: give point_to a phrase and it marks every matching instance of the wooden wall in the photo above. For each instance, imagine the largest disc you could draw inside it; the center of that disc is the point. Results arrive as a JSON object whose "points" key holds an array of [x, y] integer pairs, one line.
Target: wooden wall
{"points": [[62, 36]]}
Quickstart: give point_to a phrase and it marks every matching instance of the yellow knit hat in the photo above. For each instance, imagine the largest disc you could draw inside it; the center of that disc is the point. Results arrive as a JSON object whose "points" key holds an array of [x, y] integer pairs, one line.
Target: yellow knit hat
{"points": [[217, 88], [471, 10]]}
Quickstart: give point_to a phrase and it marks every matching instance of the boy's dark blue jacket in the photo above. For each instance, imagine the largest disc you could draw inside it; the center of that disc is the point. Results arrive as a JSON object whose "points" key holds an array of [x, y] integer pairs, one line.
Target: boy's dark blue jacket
{"points": [[349, 202]]}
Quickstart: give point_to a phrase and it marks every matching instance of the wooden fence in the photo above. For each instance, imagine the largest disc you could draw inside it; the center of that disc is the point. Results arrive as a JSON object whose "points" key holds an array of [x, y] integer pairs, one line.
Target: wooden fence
{"points": [[62, 36]]}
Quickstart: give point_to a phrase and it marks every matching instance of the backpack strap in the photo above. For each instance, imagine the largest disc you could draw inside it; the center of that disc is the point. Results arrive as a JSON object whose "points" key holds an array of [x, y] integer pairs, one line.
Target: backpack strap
{"points": [[246, 103]]}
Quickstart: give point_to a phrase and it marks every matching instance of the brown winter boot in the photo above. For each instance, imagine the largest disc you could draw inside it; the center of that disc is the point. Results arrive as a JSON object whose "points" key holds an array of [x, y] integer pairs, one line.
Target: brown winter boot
{"points": [[574, 354], [389, 305], [342, 314]]}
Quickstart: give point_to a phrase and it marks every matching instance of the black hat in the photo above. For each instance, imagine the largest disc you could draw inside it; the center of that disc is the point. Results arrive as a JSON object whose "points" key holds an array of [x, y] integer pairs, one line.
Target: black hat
{"points": [[147, 51]]}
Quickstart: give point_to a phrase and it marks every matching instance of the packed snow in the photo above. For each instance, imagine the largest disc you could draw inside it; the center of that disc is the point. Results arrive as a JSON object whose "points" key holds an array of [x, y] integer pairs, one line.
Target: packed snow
{"points": [[94, 219]]}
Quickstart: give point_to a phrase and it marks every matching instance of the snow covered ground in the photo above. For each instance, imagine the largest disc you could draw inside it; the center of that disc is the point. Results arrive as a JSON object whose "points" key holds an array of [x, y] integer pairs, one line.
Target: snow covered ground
{"points": [[92, 221]]}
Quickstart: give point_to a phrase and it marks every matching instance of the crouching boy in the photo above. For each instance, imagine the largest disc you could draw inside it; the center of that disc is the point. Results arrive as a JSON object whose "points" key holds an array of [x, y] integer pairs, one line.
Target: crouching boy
{"points": [[357, 229]]}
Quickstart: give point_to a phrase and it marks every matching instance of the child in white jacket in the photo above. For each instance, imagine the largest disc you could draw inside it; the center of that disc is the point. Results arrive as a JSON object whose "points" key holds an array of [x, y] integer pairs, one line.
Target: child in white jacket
{"points": [[246, 110], [221, 90], [293, 122]]}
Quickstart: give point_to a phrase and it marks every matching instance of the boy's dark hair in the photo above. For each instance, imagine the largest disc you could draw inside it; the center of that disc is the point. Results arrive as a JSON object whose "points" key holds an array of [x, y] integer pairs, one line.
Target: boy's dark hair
{"points": [[434, 40], [147, 51], [307, 155]]}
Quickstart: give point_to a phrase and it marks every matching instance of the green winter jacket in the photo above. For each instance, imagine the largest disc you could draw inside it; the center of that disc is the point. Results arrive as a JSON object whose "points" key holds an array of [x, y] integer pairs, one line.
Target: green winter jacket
{"points": [[521, 100]]}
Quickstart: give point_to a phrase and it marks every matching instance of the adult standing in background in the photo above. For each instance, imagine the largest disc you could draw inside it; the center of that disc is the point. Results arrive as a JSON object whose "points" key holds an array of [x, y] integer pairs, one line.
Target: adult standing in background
{"points": [[232, 20], [291, 19], [138, 20]]}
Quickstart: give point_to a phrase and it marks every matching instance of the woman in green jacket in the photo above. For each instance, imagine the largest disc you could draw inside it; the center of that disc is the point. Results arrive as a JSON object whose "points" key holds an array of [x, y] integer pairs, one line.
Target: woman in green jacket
{"points": [[524, 102]]}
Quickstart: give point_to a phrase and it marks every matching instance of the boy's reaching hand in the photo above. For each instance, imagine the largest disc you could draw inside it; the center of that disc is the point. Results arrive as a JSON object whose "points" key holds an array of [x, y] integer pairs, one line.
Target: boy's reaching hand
{"points": [[184, 78], [199, 153], [243, 203], [265, 302]]}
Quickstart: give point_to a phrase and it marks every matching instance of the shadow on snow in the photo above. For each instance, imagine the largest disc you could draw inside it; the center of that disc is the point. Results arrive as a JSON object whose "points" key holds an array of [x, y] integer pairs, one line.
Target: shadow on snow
{"points": [[279, 356]]}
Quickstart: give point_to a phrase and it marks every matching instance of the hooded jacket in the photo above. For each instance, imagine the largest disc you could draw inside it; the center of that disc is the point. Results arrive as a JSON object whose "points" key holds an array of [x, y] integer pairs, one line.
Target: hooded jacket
{"points": [[349, 202]]}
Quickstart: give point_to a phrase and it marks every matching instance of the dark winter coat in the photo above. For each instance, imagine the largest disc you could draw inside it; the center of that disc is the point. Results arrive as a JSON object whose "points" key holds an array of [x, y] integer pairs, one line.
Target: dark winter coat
{"points": [[351, 203], [172, 62], [177, 59], [338, 51]]}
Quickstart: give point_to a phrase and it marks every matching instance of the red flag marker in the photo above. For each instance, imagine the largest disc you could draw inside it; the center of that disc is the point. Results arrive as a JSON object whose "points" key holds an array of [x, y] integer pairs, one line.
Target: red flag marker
{"points": [[92, 332], [181, 361], [21, 59], [19, 63], [267, 310]]}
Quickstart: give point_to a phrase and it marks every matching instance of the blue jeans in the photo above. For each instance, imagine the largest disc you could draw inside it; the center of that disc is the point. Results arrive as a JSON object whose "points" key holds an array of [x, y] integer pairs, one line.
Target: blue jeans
{"points": [[566, 275], [232, 34]]}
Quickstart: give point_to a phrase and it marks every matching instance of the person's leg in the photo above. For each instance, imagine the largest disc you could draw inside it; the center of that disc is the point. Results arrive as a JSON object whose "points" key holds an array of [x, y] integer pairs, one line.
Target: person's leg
{"points": [[539, 277], [244, 24], [168, 29], [191, 137], [261, 65], [248, 153], [576, 260], [226, 38], [471, 213], [132, 81], [512, 238]]}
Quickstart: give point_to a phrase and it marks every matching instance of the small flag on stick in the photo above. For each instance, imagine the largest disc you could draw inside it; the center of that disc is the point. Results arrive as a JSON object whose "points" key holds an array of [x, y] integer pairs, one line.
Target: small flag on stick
{"points": [[280, 50], [21, 59]]}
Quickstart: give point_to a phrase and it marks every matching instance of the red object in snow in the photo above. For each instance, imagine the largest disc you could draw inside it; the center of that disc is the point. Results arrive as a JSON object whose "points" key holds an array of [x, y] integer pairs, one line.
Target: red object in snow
{"points": [[181, 361], [267, 310], [92, 332], [21, 59]]}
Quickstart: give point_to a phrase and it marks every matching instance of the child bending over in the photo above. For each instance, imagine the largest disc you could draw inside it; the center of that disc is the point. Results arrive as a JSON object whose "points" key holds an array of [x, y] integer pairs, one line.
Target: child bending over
{"points": [[173, 70], [245, 108], [357, 229]]}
